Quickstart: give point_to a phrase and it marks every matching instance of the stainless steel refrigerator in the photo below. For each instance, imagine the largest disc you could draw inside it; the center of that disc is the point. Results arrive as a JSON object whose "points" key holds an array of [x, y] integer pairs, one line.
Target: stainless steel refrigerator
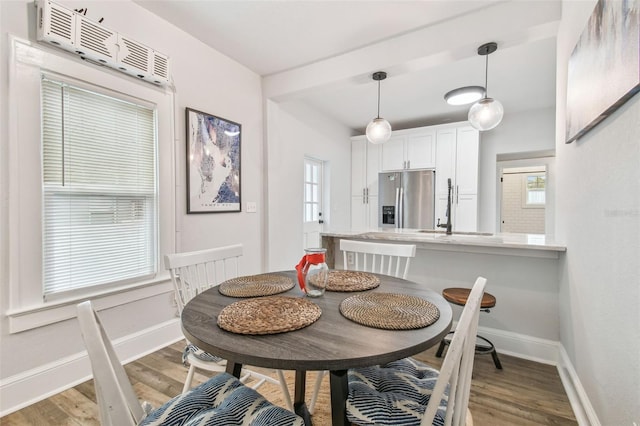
{"points": [[406, 199]]}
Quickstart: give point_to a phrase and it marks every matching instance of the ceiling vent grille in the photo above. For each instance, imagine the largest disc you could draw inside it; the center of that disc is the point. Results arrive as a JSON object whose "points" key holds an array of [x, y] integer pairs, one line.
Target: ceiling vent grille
{"points": [[75, 33]]}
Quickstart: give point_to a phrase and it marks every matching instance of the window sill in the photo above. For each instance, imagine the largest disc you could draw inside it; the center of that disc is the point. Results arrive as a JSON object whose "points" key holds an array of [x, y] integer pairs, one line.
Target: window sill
{"points": [[48, 313]]}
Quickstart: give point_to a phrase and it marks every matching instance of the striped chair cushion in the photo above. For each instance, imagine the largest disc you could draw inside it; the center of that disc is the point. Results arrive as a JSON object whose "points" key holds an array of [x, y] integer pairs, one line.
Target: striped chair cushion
{"points": [[393, 394], [222, 400], [198, 353]]}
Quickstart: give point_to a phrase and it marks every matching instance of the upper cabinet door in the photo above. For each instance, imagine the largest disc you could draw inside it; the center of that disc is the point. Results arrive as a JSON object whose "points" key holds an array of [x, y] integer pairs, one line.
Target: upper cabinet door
{"points": [[410, 150], [420, 150], [467, 160], [373, 168], [358, 166], [392, 152], [445, 159]]}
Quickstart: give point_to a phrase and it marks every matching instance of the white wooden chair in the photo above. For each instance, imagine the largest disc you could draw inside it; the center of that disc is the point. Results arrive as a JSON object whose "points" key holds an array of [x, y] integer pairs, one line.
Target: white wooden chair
{"points": [[411, 393], [379, 258], [191, 274], [222, 397]]}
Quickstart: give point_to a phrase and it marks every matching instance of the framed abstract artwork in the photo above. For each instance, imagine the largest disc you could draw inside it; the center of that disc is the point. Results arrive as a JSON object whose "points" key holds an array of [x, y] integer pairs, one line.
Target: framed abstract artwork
{"points": [[213, 163], [604, 67]]}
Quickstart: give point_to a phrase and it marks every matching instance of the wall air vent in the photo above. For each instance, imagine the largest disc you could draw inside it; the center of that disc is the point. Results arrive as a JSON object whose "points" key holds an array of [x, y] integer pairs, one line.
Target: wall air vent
{"points": [[90, 40], [56, 25], [95, 41], [134, 55], [160, 65]]}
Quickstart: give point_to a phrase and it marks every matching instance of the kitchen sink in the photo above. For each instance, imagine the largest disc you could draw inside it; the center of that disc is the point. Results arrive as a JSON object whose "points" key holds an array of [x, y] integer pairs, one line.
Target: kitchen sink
{"points": [[438, 231]]}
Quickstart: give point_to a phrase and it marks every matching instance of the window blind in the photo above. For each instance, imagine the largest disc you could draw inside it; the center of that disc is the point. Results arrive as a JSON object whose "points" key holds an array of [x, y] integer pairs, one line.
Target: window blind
{"points": [[100, 189]]}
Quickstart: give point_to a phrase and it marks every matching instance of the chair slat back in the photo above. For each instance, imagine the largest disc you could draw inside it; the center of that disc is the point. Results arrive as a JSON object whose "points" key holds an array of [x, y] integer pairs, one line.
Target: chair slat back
{"points": [[117, 401], [380, 258], [458, 364], [196, 271]]}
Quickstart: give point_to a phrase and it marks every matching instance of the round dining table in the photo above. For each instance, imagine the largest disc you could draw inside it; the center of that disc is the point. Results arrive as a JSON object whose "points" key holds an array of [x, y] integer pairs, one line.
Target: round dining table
{"points": [[332, 343]]}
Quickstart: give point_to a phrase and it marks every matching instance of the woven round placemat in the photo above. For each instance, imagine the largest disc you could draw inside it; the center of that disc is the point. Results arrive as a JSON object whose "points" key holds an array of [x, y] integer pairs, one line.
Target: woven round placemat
{"points": [[351, 281], [389, 311], [268, 315], [256, 285]]}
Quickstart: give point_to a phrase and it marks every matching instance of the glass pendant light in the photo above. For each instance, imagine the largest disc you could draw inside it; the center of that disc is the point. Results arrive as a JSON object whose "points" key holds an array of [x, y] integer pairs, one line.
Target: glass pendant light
{"points": [[487, 112], [379, 129]]}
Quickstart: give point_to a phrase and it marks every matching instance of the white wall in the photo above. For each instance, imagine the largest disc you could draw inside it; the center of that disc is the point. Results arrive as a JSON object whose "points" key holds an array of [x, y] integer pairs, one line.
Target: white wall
{"points": [[519, 132], [295, 131], [204, 80], [598, 217]]}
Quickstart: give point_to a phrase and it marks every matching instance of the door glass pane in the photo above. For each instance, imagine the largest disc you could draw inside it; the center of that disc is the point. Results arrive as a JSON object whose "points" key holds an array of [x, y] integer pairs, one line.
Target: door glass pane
{"points": [[312, 191], [536, 189]]}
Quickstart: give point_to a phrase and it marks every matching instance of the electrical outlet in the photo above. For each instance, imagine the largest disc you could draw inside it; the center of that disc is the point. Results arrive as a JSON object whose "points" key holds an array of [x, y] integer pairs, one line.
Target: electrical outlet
{"points": [[350, 258]]}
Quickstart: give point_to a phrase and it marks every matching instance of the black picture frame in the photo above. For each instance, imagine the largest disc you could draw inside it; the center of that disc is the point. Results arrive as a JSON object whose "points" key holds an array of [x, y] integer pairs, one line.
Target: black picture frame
{"points": [[213, 163]]}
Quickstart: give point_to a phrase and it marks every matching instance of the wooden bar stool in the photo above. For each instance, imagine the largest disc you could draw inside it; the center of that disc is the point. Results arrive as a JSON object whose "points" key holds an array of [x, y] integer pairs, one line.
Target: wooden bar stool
{"points": [[459, 296]]}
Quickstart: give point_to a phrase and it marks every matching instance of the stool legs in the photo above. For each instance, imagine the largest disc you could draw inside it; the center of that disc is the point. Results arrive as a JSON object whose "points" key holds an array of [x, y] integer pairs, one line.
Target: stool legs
{"points": [[444, 342], [496, 360], [480, 349], [489, 349]]}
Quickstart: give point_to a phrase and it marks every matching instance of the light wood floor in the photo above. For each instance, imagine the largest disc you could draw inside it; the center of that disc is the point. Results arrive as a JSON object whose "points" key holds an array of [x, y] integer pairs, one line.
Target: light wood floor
{"points": [[524, 393]]}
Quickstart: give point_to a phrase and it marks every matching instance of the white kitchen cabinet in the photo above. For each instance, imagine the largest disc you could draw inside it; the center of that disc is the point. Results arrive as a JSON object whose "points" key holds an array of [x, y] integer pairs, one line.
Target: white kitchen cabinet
{"points": [[452, 149], [364, 214], [365, 166], [457, 149], [409, 149], [358, 167]]}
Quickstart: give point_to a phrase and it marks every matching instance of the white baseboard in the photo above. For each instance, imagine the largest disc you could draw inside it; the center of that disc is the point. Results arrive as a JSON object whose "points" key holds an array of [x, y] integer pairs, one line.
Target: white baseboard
{"points": [[522, 346], [547, 352], [582, 408], [31, 386]]}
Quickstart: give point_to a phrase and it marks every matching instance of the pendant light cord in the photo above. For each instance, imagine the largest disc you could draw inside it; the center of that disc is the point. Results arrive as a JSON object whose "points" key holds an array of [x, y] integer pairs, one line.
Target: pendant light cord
{"points": [[486, 73], [378, 98]]}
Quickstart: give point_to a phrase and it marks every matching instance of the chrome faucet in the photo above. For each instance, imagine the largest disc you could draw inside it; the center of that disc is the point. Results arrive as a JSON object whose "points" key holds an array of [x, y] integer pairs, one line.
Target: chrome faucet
{"points": [[448, 224]]}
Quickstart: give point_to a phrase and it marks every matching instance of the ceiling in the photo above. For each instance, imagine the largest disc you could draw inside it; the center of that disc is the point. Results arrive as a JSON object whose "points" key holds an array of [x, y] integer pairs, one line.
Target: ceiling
{"points": [[293, 40]]}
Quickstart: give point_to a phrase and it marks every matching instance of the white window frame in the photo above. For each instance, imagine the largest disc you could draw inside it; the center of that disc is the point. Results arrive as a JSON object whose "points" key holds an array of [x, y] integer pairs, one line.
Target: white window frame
{"points": [[305, 200], [27, 62], [525, 191]]}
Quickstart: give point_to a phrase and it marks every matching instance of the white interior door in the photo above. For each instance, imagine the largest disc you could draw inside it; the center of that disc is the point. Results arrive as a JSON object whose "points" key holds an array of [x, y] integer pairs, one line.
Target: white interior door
{"points": [[523, 200], [312, 203]]}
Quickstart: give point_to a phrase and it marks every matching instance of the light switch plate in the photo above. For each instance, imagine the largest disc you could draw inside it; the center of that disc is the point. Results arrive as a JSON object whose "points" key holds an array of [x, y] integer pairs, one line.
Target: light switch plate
{"points": [[252, 207]]}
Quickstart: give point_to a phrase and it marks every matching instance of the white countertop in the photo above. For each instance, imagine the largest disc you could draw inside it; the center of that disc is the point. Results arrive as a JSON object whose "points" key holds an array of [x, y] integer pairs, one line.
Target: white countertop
{"points": [[502, 241]]}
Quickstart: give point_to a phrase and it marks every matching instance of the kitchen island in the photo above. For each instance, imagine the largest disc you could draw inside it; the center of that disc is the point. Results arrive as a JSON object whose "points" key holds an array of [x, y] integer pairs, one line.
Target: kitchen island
{"points": [[533, 245], [522, 271]]}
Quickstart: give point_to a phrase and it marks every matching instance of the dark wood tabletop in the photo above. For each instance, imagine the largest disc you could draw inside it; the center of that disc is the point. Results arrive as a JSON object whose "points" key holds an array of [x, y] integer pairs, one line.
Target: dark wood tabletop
{"points": [[332, 343]]}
